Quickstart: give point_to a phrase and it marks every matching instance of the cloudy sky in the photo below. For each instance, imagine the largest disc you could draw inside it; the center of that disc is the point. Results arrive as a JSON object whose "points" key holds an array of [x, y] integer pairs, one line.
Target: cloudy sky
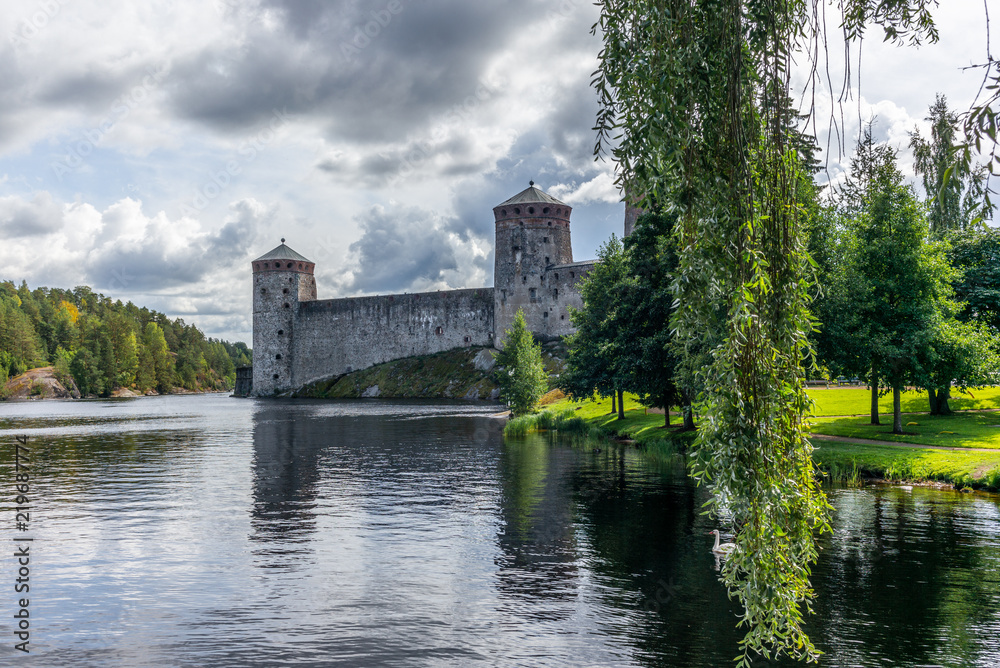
{"points": [[152, 149]]}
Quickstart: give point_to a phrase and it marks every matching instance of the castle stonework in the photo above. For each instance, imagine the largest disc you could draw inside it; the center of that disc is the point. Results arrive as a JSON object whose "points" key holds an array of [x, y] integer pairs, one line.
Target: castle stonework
{"points": [[298, 339]]}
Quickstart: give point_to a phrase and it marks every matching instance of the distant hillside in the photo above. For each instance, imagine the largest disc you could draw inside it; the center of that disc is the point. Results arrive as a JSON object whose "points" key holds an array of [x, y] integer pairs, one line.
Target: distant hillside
{"points": [[102, 345]]}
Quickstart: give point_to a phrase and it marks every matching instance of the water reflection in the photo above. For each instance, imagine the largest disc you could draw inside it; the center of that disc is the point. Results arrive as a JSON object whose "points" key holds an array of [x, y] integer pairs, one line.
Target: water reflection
{"points": [[212, 531]]}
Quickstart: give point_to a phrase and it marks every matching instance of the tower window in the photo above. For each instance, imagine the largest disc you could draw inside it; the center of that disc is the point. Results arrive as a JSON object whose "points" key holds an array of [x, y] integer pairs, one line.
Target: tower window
{"points": [[524, 279], [531, 209], [545, 240], [467, 339], [280, 332], [546, 259], [562, 317], [439, 330], [545, 315], [533, 296], [286, 305], [555, 293], [263, 291], [503, 212], [550, 223], [546, 210], [275, 376], [278, 356], [265, 265], [572, 275], [517, 212], [289, 265], [556, 276], [285, 291]]}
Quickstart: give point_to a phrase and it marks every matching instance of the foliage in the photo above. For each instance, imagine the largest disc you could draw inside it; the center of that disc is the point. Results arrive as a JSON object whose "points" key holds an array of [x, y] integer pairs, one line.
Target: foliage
{"points": [[104, 344], [888, 308], [693, 97], [593, 349], [976, 254], [647, 356], [520, 371], [956, 199]]}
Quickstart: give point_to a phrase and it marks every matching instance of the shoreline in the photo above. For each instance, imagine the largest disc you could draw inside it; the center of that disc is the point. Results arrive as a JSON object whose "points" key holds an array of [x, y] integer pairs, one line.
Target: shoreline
{"points": [[846, 460]]}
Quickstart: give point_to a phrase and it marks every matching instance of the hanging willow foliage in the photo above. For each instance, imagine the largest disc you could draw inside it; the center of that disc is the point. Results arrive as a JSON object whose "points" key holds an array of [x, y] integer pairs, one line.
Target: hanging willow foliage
{"points": [[694, 110]]}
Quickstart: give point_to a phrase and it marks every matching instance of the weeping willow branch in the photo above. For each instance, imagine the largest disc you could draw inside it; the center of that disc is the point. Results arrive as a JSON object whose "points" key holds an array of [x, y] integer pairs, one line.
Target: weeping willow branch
{"points": [[694, 101]]}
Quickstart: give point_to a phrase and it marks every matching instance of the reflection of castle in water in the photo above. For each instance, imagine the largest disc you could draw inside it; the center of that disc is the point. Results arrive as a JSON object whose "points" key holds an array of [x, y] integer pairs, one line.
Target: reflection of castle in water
{"points": [[287, 449]]}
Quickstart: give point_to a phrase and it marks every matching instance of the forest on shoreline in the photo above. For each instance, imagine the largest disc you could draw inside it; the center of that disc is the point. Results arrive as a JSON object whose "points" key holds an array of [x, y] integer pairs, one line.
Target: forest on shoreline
{"points": [[101, 345]]}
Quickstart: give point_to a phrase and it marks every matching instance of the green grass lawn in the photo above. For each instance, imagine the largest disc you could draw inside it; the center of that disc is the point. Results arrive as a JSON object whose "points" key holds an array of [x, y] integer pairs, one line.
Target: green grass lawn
{"points": [[968, 429], [974, 469], [857, 401]]}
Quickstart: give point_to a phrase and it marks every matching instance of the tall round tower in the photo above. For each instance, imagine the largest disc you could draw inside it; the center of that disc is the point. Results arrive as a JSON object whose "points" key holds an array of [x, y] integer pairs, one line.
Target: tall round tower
{"points": [[532, 235], [281, 280]]}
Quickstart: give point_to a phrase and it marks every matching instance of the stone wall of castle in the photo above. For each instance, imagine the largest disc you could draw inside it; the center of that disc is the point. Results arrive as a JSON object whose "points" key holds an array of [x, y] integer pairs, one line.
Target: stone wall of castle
{"points": [[336, 336]]}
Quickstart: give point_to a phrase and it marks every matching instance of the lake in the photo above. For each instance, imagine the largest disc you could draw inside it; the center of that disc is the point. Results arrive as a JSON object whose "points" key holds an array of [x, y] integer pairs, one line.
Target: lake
{"points": [[197, 530]]}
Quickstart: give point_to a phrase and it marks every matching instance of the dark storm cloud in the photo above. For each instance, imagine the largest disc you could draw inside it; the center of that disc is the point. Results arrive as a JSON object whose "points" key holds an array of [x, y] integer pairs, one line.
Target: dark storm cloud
{"points": [[416, 65], [157, 261], [400, 247], [19, 218]]}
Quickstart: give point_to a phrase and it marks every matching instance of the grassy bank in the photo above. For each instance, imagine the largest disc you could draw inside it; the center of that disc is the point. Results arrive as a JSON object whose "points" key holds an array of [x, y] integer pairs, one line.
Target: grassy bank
{"points": [[594, 419], [838, 460]]}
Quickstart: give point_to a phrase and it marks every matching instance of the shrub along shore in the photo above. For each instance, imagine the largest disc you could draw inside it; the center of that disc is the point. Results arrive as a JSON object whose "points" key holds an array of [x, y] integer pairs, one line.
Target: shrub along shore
{"points": [[952, 449]]}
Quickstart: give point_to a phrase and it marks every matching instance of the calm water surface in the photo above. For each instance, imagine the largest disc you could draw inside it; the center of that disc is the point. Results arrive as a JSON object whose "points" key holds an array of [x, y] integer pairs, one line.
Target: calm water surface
{"points": [[209, 531]]}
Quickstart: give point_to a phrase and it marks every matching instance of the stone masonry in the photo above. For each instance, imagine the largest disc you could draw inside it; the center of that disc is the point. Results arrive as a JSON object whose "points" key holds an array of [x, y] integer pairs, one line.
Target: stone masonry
{"points": [[298, 339]]}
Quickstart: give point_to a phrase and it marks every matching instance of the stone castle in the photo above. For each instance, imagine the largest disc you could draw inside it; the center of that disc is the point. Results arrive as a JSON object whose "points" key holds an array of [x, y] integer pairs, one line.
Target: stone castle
{"points": [[299, 339]]}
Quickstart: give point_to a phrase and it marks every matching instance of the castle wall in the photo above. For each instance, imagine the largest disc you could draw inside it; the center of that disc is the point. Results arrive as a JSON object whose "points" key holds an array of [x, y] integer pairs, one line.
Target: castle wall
{"points": [[560, 291], [335, 336]]}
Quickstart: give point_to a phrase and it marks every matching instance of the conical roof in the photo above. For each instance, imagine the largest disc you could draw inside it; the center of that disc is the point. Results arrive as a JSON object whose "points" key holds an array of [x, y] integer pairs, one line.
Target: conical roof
{"points": [[282, 252], [532, 194]]}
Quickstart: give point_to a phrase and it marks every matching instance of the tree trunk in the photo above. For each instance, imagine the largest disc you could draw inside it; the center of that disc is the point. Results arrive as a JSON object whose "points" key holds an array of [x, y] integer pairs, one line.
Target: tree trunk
{"points": [[943, 395], [932, 399], [666, 414], [688, 418], [897, 414], [621, 405], [875, 398], [613, 409]]}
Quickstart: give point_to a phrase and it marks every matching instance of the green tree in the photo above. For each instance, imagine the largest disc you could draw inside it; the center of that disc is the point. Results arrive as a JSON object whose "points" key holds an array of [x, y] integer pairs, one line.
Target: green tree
{"points": [[955, 197], [976, 254], [889, 299], [163, 364], [647, 358], [520, 371], [593, 351]]}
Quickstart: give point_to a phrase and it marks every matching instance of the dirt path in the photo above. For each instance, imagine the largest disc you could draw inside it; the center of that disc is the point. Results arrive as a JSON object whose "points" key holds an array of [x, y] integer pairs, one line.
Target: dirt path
{"points": [[866, 441]]}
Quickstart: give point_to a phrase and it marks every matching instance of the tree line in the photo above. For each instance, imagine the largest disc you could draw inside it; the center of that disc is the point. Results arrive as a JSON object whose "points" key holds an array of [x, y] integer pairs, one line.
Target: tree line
{"points": [[103, 345], [905, 292]]}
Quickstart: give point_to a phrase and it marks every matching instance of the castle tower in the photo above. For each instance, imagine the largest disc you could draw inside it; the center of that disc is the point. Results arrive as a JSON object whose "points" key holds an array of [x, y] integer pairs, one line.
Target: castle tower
{"points": [[281, 280], [532, 237]]}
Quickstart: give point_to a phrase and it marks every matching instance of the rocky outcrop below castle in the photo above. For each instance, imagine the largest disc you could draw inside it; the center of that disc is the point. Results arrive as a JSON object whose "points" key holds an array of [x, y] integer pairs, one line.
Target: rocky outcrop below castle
{"points": [[462, 373]]}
